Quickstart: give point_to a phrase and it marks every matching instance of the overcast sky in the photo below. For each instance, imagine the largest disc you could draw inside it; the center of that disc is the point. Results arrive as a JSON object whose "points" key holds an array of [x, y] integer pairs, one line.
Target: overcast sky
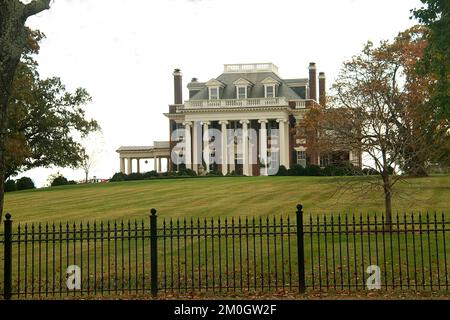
{"points": [[124, 52]]}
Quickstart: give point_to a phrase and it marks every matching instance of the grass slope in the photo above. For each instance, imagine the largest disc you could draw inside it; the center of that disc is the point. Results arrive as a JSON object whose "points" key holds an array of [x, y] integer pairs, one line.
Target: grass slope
{"points": [[233, 196]]}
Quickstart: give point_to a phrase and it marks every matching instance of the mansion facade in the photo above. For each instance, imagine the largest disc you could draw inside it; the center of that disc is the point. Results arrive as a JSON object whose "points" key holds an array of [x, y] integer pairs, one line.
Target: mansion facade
{"points": [[248, 120]]}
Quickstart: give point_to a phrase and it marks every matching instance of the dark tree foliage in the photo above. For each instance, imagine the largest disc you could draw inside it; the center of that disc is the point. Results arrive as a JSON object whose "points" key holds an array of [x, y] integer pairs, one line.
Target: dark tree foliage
{"points": [[435, 14], [25, 183]]}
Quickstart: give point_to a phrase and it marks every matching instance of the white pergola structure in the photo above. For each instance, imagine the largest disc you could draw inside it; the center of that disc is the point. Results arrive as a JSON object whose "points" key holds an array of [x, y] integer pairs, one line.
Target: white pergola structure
{"points": [[159, 150]]}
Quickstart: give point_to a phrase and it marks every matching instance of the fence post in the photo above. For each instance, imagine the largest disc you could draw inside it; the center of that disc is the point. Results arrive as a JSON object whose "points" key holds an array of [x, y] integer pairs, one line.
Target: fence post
{"points": [[7, 271], [300, 250], [153, 254]]}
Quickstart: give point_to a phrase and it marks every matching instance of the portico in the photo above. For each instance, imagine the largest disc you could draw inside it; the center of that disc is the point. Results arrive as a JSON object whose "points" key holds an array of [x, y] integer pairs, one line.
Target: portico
{"points": [[159, 152], [235, 141]]}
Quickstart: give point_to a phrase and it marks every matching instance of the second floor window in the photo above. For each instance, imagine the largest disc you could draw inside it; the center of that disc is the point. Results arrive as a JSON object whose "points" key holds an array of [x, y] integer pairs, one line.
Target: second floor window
{"points": [[270, 91], [242, 93], [213, 93]]}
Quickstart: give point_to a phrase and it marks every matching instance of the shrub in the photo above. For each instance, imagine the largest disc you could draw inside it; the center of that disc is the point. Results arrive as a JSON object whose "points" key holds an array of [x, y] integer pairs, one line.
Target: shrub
{"points": [[282, 171], [232, 174], [370, 172], [296, 170], [187, 172], [333, 170], [10, 186], [25, 183], [313, 170], [119, 176], [170, 174], [150, 174], [213, 173], [59, 181], [135, 176]]}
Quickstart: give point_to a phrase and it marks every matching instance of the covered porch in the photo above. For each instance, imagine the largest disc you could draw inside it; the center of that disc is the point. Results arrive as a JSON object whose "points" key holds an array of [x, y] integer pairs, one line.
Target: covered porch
{"points": [[159, 153]]}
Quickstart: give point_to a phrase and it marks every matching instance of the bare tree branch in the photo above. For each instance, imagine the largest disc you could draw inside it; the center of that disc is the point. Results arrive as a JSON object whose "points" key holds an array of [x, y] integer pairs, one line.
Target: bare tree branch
{"points": [[35, 7]]}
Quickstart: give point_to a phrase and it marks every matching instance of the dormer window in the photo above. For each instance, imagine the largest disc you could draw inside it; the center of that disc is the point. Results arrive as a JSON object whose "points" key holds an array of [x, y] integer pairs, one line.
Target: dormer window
{"points": [[270, 87], [270, 91], [241, 93], [214, 93], [242, 88], [214, 89]]}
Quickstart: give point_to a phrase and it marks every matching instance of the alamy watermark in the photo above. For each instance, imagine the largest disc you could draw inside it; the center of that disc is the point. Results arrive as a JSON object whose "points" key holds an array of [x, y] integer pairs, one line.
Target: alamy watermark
{"points": [[374, 280], [73, 275], [235, 146]]}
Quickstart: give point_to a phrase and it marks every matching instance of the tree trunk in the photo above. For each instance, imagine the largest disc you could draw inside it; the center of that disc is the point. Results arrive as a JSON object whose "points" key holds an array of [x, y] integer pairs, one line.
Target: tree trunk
{"points": [[13, 15], [7, 77], [387, 203]]}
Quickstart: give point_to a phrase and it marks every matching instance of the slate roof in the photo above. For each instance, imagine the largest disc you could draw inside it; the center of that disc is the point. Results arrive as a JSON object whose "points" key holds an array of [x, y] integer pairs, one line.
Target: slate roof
{"points": [[256, 91]]}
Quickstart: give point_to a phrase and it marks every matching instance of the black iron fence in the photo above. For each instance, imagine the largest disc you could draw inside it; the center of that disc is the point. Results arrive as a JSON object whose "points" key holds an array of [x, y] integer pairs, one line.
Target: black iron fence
{"points": [[226, 255]]}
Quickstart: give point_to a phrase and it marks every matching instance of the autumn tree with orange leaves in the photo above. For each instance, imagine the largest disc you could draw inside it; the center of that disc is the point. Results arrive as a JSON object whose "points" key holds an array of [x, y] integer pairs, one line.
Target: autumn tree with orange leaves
{"points": [[379, 106]]}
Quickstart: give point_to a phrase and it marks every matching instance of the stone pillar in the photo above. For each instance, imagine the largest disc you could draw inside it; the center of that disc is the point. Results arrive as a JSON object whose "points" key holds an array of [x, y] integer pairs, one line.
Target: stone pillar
{"points": [[263, 145], [159, 165], [224, 150], [206, 150], [282, 141], [245, 161], [138, 165], [188, 150], [122, 165], [130, 165], [155, 164], [195, 136], [287, 149], [231, 152]]}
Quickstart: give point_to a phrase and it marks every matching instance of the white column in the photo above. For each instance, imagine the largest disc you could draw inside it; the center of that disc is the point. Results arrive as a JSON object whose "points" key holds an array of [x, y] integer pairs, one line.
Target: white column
{"points": [[159, 165], [206, 150], [130, 163], [245, 147], [287, 149], [263, 144], [155, 165], [122, 165], [282, 141], [195, 136], [231, 152], [187, 139], [224, 147]]}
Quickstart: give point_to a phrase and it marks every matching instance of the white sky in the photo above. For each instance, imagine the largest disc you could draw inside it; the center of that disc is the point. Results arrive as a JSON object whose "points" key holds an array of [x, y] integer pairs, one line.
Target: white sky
{"points": [[124, 52]]}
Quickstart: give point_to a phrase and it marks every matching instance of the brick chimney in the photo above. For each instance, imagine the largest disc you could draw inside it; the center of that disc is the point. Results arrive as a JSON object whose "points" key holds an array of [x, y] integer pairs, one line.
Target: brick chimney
{"points": [[312, 81], [322, 90], [178, 86]]}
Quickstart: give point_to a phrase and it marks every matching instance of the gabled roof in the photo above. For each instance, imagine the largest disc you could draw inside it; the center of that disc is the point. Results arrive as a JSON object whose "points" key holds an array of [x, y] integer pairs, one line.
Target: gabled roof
{"points": [[215, 83], [270, 80], [243, 82]]}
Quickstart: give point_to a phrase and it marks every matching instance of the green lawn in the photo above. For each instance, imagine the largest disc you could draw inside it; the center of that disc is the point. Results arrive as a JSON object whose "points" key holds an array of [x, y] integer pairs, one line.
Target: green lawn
{"points": [[241, 262], [211, 197]]}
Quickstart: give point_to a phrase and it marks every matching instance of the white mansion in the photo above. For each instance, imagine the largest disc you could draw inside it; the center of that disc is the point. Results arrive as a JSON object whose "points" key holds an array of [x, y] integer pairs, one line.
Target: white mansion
{"points": [[247, 120]]}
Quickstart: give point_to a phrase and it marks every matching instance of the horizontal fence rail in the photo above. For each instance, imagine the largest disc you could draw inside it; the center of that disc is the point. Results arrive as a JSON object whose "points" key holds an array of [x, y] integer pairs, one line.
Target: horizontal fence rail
{"points": [[226, 255]]}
